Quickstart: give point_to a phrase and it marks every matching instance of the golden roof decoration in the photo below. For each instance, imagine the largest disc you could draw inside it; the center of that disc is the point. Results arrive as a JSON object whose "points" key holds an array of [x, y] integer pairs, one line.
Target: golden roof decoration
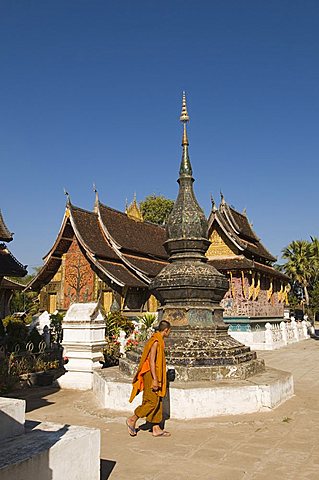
{"points": [[133, 211]]}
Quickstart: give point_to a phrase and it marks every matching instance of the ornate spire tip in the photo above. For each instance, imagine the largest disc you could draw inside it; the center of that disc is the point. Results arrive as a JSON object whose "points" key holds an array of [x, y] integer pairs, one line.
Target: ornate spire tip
{"points": [[184, 115]]}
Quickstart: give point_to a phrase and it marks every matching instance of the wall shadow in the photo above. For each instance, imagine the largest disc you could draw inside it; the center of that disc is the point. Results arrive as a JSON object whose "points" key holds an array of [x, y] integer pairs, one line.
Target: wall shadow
{"points": [[106, 468], [22, 447], [34, 396]]}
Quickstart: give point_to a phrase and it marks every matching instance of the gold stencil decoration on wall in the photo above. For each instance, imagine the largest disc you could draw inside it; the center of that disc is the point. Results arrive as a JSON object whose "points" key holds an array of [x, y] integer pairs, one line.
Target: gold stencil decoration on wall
{"points": [[219, 247]]}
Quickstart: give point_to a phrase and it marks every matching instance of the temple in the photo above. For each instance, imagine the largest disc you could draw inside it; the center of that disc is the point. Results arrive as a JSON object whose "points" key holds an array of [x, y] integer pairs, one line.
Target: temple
{"points": [[9, 267], [257, 291], [191, 289], [114, 255], [102, 254]]}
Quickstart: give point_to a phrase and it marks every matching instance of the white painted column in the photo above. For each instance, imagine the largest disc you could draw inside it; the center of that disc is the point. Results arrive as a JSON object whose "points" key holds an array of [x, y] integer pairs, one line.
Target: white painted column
{"points": [[83, 344]]}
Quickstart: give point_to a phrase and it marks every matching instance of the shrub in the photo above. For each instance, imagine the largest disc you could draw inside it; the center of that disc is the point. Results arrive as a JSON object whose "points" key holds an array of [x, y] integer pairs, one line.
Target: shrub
{"points": [[35, 338], [111, 352], [114, 322], [17, 332], [148, 320], [56, 327]]}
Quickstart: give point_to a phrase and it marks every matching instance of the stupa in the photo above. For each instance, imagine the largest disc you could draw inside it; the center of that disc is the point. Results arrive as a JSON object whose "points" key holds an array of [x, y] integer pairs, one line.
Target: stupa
{"points": [[190, 291], [214, 373]]}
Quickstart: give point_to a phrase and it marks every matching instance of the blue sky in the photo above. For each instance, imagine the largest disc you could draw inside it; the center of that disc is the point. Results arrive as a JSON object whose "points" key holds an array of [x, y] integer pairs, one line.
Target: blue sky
{"points": [[90, 91]]}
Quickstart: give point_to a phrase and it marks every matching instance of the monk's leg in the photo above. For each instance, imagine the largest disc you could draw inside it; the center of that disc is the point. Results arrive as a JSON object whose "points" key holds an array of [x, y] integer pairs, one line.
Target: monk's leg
{"points": [[150, 399], [144, 409]]}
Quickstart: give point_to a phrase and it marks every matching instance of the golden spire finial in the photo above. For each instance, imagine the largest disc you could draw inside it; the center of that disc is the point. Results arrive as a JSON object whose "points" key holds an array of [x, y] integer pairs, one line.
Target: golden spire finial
{"points": [[184, 118], [133, 210], [184, 115], [186, 168]]}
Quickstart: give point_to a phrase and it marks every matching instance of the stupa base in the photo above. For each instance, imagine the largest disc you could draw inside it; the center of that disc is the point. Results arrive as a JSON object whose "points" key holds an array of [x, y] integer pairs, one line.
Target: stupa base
{"points": [[200, 399], [205, 373]]}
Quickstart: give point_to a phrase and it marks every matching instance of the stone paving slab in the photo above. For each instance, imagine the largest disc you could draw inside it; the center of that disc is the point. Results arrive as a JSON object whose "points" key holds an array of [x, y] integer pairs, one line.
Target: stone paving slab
{"points": [[280, 444]]}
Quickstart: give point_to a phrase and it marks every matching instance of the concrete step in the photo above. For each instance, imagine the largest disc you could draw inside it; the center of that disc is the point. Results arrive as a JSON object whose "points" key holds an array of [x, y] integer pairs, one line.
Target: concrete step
{"points": [[12, 417], [52, 451]]}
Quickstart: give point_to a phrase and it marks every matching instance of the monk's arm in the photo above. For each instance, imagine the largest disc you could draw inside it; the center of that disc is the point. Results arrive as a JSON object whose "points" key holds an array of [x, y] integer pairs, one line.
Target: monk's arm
{"points": [[153, 351]]}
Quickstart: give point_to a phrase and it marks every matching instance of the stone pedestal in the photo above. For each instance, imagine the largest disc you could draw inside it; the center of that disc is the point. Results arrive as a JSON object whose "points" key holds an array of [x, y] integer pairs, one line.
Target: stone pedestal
{"points": [[47, 451], [83, 343], [12, 417], [200, 399]]}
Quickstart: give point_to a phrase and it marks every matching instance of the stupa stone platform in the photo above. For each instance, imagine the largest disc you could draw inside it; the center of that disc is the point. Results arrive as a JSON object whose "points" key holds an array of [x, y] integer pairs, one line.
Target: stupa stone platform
{"points": [[200, 399]]}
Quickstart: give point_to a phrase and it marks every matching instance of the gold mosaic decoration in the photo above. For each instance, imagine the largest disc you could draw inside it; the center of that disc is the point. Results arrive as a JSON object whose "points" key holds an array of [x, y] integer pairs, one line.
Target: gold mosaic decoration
{"points": [[257, 288], [270, 291], [251, 289], [219, 247], [133, 211], [232, 287], [243, 284]]}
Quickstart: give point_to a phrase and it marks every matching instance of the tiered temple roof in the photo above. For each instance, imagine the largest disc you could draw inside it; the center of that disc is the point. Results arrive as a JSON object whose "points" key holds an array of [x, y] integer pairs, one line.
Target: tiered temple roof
{"points": [[5, 234], [128, 252], [9, 265], [245, 250], [124, 252]]}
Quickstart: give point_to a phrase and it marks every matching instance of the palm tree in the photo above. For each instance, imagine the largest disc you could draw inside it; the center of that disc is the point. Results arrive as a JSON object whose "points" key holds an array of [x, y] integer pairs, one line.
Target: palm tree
{"points": [[299, 265], [314, 249]]}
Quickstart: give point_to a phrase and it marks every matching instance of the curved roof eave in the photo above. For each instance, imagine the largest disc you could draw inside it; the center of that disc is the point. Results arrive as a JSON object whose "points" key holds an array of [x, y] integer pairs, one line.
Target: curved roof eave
{"points": [[231, 220], [59, 236], [117, 248], [90, 254], [220, 223]]}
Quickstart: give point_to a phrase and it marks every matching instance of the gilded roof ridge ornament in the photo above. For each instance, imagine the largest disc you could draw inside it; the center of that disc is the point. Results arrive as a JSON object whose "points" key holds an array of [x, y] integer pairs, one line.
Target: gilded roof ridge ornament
{"points": [[186, 168], [214, 207], [68, 198], [96, 202], [222, 198], [133, 210]]}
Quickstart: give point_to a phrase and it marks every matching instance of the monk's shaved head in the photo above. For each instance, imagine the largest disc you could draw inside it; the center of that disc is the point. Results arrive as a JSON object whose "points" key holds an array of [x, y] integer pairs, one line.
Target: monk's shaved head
{"points": [[163, 325]]}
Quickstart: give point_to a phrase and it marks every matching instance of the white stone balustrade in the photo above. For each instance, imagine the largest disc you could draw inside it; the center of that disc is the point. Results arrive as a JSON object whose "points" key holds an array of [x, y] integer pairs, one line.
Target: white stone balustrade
{"points": [[273, 335]]}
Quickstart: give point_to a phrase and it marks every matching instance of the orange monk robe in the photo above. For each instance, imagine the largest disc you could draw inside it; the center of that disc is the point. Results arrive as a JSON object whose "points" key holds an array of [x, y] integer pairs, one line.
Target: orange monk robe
{"points": [[144, 366]]}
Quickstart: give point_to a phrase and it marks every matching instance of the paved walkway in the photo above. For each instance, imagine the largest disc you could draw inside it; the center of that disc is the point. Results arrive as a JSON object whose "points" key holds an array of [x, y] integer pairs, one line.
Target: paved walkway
{"points": [[281, 444]]}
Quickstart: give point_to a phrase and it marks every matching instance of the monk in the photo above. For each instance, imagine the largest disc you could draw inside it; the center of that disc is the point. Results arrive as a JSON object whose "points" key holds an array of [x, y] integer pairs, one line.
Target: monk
{"points": [[151, 379]]}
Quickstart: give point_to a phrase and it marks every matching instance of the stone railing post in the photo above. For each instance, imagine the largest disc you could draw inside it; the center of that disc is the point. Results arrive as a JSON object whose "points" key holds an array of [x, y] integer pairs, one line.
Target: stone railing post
{"points": [[283, 329], [295, 329], [268, 334], [305, 329], [122, 341], [83, 344]]}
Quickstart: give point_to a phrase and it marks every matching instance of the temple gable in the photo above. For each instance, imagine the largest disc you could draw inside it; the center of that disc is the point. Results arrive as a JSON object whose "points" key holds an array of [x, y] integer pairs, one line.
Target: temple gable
{"points": [[220, 246]]}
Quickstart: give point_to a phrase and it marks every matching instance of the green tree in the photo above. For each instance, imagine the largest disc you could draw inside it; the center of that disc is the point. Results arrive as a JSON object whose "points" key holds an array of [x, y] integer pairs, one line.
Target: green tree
{"points": [[24, 301], [156, 208], [299, 264]]}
